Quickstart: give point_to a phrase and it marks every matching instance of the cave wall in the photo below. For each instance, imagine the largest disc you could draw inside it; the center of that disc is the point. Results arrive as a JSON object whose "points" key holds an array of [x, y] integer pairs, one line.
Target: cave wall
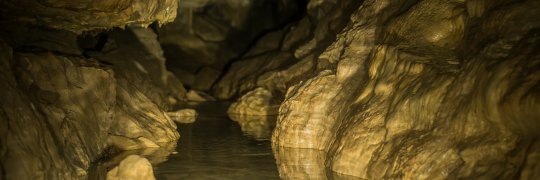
{"points": [[427, 89], [72, 93], [208, 34], [370, 89]]}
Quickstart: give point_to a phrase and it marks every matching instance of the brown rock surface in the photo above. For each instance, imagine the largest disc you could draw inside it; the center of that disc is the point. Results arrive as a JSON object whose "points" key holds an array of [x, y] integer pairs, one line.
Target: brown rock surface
{"points": [[62, 109], [419, 93], [86, 15]]}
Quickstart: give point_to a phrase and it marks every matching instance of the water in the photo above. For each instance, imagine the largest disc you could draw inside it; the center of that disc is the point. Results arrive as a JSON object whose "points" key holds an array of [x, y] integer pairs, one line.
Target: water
{"points": [[215, 147]]}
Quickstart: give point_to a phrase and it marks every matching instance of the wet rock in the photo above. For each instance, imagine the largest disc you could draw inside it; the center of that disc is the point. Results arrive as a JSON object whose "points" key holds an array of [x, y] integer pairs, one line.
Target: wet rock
{"points": [[183, 115], [256, 126], [155, 155], [435, 101], [57, 110], [79, 16], [242, 75], [132, 167], [300, 163], [145, 89], [257, 102], [137, 116], [145, 70], [198, 96], [128, 143], [72, 105]]}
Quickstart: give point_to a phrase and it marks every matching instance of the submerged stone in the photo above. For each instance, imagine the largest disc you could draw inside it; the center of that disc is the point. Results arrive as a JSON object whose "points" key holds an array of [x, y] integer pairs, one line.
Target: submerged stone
{"points": [[183, 115]]}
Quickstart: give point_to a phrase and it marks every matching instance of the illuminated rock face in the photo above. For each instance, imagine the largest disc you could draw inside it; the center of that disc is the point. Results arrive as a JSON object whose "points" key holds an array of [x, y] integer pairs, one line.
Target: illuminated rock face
{"points": [[56, 112], [64, 102], [85, 15], [259, 102], [132, 167], [421, 90], [62, 111]]}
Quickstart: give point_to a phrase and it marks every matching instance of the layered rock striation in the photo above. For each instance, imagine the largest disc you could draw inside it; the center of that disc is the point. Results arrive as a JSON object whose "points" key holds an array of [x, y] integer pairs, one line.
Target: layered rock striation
{"points": [[407, 89], [423, 90]]}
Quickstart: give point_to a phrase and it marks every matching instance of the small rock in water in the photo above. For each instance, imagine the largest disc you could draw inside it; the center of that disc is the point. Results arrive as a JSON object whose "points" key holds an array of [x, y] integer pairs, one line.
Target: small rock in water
{"points": [[132, 167], [183, 115]]}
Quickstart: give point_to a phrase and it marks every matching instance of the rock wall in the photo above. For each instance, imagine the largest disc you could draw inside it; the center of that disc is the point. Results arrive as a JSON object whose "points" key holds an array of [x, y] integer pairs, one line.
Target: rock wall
{"points": [[281, 58], [68, 97], [430, 89], [86, 15], [208, 34]]}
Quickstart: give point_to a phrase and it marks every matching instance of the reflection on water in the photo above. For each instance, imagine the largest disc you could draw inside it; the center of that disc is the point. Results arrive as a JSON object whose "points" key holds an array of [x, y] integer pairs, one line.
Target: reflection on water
{"points": [[297, 163], [98, 171], [214, 147], [258, 127]]}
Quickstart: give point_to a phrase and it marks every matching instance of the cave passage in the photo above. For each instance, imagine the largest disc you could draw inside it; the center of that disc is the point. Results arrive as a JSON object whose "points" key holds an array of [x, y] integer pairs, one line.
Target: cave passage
{"points": [[215, 147], [268, 89]]}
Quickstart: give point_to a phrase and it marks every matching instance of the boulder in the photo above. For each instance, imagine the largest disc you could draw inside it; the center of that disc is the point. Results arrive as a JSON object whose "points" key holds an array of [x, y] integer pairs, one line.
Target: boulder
{"points": [[132, 167], [257, 102], [183, 115]]}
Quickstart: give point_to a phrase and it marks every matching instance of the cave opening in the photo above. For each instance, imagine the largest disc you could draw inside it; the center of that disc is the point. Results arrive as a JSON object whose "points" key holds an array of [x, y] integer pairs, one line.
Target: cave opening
{"points": [[269, 89]]}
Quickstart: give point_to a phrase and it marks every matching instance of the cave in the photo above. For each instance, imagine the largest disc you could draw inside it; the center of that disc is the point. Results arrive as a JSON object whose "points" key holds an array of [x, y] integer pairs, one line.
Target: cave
{"points": [[270, 89]]}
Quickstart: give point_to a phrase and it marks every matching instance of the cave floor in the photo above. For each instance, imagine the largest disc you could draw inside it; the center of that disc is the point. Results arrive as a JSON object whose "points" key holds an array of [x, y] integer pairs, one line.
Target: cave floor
{"points": [[214, 147]]}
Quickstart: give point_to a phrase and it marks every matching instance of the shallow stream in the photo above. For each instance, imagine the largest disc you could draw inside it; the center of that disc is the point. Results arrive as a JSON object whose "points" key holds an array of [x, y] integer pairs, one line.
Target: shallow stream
{"points": [[216, 147]]}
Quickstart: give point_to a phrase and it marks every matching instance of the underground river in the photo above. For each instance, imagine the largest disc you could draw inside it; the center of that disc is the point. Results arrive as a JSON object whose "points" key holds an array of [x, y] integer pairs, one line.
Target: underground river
{"points": [[215, 147]]}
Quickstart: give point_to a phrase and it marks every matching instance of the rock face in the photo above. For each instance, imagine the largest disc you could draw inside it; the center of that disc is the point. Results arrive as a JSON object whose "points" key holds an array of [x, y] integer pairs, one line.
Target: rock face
{"points": [[183, 115], [86, 15], [68, 98], [132, 167], [282, 58], [258, 102], [145, 88], [208, 34], [422, 90], [256, 126], [56, 112]]}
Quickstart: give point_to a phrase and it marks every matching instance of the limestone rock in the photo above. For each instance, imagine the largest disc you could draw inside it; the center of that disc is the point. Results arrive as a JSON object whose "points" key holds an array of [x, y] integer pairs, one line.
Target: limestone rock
{"points": [[198, 96], [127, 143], [259, 127], [183, 115], [145, 70], [422, 94], [302, 42], [132, 167], [242, 75], [20, 36], [57, 110], [205, 78], [211, 33], [257, 102], [300, 163], [62, 109], [86, 15]]}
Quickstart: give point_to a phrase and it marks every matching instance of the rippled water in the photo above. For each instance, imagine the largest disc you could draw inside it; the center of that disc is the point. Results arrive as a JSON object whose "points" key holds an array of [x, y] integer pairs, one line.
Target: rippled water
{"points": [[215, 147]]}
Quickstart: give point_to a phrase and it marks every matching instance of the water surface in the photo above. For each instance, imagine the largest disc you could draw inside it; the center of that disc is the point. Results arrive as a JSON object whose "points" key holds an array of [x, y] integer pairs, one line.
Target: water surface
{"points": [[215, 147]]}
